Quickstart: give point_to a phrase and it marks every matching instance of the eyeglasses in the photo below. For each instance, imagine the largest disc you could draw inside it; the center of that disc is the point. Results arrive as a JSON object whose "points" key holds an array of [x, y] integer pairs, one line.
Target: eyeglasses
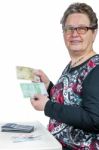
{"points": [[80, 29]]}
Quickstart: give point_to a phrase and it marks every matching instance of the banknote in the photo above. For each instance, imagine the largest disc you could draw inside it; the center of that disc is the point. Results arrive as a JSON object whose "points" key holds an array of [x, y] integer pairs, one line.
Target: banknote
{"points": [[27, 73], [30, 89]]}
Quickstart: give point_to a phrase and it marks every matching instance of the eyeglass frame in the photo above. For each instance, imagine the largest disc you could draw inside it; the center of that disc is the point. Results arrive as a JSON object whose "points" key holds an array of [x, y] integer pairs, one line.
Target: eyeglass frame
{"points": [[72, 29]]}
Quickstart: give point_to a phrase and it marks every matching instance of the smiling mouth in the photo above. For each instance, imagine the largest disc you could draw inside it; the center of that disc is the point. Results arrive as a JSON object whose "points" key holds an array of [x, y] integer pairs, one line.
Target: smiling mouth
{"points": [[76, 42]]}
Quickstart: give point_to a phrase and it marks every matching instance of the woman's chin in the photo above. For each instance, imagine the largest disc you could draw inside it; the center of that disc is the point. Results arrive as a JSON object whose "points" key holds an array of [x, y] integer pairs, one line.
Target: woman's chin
{"points": [[76, 51]]}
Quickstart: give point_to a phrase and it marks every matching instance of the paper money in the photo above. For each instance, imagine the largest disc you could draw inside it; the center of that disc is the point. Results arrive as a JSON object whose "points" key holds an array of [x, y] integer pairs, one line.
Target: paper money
{"points": [[26, 73], [30, 89]]}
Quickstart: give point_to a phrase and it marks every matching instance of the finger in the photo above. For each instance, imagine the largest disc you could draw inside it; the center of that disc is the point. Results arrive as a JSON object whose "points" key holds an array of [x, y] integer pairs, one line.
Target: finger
{"points": [[37, 72], [33, 98], [36, 97]]}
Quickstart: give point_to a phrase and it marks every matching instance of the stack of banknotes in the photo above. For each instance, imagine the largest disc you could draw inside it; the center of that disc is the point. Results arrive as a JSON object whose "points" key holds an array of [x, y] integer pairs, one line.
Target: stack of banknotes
{"points": [[30, 89], [27, 73]]}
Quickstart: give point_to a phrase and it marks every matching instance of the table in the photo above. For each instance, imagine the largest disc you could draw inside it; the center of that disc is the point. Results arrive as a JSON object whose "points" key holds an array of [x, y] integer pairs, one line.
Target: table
{"points": [[43, 140]]}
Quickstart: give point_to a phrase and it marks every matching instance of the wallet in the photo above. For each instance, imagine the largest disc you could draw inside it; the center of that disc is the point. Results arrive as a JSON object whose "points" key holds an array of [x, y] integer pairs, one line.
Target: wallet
{"points": [[13, 127]]}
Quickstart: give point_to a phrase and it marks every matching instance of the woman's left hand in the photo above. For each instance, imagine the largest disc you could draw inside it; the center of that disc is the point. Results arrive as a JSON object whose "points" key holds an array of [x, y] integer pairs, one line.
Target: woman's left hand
{"points": [[39, 101]]}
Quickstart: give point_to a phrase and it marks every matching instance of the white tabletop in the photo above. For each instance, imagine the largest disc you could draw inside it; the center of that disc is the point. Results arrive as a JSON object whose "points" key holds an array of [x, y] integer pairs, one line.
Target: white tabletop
{"points": [[42, 140]]}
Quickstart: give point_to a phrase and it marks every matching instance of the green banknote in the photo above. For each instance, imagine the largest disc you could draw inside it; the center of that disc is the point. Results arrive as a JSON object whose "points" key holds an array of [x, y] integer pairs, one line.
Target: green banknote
{"points": [[30, 89], [26, 73]]}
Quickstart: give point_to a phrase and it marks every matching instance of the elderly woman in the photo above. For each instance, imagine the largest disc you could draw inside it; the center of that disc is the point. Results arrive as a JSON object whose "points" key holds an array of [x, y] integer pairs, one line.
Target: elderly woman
{"points": [[73, 103]]}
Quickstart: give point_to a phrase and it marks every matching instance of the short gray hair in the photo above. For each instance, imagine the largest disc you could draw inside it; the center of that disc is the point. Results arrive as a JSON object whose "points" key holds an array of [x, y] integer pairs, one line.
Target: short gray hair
{"points": [[82, 8]]}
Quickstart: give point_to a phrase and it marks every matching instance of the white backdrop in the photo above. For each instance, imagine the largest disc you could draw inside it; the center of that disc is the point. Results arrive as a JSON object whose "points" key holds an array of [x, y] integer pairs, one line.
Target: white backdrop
{"points": [[30, 35]]}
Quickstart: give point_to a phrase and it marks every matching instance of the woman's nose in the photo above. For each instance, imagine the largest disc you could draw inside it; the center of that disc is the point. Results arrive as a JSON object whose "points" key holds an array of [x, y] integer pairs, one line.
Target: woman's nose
{"points": [[75, 33]]}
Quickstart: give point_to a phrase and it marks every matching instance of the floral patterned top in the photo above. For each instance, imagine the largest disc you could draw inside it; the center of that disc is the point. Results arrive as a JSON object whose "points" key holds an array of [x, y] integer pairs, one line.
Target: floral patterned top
{"points": [[73, 107]]}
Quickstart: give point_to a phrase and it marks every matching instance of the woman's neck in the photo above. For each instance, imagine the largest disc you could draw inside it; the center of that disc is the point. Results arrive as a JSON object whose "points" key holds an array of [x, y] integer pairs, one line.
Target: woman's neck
{"points": [[77, 60]]}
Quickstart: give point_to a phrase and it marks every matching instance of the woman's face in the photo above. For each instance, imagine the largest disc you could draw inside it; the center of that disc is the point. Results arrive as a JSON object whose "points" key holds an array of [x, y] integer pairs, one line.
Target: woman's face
{"points": [[78, 43]]}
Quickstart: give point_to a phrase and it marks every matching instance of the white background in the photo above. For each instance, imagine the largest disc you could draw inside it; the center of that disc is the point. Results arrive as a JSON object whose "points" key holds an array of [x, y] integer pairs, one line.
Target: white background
{"points": [[30, 35]]}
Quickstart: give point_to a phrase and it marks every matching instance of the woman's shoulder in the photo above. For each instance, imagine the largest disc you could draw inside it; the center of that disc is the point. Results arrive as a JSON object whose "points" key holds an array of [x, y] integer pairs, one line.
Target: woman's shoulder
{"points": [[92, 62], [91, 65], [95, 59]]}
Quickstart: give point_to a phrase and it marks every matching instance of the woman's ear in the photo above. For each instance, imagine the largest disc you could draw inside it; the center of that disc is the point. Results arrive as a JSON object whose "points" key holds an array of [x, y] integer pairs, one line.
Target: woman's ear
{"points": [[94, 34]]}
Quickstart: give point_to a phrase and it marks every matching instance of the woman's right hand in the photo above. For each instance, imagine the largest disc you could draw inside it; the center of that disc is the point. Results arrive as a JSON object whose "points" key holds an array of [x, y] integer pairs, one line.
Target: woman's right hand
{"points": [[43, 77]]}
